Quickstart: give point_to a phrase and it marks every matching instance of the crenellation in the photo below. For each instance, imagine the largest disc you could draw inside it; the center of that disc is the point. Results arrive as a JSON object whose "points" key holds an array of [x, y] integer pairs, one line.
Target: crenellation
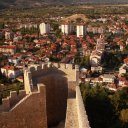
{"points": [[13, 94], [32, 69], [42, 65], [46, 66], [49, 65], [62, 66], [22, 93], [39, 68], [41, 87], [66, 66], [56, 65], [6, 103], [5, 106], [36, 71], [11, 100]]}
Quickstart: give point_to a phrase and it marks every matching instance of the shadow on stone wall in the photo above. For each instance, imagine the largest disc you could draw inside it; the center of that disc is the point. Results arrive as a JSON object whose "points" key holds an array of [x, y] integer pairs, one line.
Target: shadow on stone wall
{"points": [[56, 94]]}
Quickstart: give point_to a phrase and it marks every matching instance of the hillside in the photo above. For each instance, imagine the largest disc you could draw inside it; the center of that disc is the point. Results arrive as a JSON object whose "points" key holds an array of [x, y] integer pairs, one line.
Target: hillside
{"points": [[76, 18], [32, 3]]}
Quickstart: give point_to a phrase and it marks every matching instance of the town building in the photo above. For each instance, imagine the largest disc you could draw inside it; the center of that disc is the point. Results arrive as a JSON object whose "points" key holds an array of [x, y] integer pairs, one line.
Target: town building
{"points": [[8, 35], [44, 28], [67, 29], [8, 49], [15, 59], [124, 68], [10, 72], [80, 30], [108, 78]]}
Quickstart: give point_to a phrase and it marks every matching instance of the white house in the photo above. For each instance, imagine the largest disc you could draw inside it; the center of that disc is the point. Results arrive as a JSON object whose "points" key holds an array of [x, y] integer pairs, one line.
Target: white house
{"points": [[108, 78], [95, 30], [8, 35], [15, 59], [97, 69], [17, 37], [123, 69], [10, 72], [95, 58], [122, 82], [100, 30], [11, 49], [112, 87], [127, 41]]}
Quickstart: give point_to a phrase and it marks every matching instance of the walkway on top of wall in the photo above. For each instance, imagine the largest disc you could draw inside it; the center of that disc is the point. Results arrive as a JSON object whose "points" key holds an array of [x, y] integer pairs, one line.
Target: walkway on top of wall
{"points": [[72, 117]]}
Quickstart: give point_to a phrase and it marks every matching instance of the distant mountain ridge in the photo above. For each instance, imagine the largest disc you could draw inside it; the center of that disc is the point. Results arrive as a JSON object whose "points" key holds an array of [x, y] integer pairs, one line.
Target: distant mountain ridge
{"points": [[32, 3]]}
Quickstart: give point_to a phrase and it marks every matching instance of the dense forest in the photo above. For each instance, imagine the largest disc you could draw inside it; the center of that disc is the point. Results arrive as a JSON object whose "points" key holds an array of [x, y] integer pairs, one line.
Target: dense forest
{"points": [[105, 109]]}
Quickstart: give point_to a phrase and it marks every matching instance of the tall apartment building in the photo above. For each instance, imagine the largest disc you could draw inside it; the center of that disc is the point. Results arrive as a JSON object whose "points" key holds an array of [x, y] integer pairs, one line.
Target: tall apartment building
{"points": [[44, 28], [80, 30], [67, 28]]}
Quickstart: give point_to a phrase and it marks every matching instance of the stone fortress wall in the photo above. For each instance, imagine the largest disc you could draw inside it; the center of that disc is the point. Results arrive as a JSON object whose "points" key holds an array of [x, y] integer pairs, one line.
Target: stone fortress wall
{"points": [[10, 101], [52, 95], [28, 112], [82, 116], [37, 71], [76, 116]]}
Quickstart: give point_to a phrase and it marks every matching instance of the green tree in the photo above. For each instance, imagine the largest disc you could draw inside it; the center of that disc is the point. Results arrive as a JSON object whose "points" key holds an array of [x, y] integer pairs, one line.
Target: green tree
{"points": [[124, 116], [1, 25], [105, 109], [58, 33], [120, 100], [85, 61]]}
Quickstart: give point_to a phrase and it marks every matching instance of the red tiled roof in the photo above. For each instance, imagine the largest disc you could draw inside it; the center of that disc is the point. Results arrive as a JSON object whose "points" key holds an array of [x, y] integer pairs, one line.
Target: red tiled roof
{"points": [[20, 42], [126, 60], [120, 43], [122, 79], [17, 55], [8, 46], [29, 53], [126, 82], [10, 68]]}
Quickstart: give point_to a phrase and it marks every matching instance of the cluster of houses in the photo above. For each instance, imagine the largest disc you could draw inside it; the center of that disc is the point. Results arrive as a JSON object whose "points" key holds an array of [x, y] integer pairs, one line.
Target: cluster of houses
{"points": [[112, 81], [96, 55], [21, 50]]}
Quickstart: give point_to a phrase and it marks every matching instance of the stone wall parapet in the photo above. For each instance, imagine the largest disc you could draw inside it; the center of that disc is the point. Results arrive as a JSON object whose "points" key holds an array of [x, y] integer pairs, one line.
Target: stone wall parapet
{"points": [[10, 101]]}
